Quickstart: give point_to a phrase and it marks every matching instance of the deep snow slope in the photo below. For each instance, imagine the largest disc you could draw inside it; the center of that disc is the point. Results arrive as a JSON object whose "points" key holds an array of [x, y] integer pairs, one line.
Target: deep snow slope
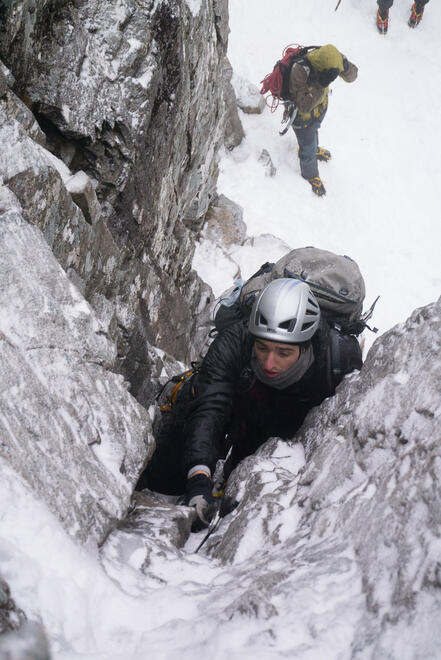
{"points": [[382, 202]]}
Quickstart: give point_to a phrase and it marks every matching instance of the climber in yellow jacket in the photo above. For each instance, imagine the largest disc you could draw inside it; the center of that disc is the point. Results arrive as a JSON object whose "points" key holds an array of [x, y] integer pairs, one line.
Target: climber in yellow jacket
{"points": [[308, 89]]}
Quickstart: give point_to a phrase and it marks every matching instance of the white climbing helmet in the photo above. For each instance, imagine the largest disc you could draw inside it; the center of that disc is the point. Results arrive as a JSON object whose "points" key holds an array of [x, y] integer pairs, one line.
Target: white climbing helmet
{"points": [[286, 311]]}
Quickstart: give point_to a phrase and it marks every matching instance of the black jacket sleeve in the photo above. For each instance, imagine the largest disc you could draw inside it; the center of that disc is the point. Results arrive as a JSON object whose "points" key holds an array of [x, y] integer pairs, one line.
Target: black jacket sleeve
{"points": [[215, 386]]}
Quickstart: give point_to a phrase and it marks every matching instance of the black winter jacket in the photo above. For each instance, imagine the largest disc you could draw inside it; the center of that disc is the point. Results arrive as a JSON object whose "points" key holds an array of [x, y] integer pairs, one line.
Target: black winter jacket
{"points": [[230, 402]]}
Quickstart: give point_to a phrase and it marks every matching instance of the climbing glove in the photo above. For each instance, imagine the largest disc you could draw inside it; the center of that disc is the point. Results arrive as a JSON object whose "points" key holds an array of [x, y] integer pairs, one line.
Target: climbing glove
{"points": [[198, 493], [325, 77]]}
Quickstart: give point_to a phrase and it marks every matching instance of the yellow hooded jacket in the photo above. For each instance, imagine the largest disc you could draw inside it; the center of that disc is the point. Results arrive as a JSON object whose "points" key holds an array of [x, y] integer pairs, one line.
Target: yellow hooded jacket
{"points": [[312, 99]]}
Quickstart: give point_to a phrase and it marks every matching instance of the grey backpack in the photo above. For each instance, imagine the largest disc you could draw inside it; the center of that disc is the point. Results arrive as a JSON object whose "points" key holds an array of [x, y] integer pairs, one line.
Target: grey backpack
{"points": [[335, 280]]}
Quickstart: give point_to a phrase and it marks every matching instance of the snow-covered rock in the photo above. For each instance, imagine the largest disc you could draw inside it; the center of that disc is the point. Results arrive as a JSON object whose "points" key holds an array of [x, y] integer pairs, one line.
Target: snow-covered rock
{"points": [[129, 294], [83, 194], [69, 427], [357, 530], [214, 264], [224, 223], [135, 81], [223, 231], [333, 551], [234, 132], [29, 642], [249, 98], [153, 528], [19, 639], [257, 250], [266, 160], [126, 93], [10, 616]]}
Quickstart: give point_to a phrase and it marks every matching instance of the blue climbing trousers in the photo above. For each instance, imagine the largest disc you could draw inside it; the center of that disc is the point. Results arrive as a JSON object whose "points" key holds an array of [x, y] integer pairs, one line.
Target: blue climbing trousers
{"points": [[307, 137]]}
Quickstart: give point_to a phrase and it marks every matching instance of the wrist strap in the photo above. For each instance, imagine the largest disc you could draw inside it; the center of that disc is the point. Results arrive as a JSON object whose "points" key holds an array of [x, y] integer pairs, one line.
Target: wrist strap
{"points": [[199, 469]]}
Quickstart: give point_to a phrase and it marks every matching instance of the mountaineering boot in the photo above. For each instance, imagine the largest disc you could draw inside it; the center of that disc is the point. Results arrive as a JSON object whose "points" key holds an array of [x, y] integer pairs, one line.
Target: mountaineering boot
{"points": [[323, 154], [382, 20], [416, 14], [317, 186]]}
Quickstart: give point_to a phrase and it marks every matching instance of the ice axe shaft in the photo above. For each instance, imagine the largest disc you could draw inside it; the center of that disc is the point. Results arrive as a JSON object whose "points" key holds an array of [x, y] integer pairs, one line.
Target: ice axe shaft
{"points": [[214, 524], [291, 113]]}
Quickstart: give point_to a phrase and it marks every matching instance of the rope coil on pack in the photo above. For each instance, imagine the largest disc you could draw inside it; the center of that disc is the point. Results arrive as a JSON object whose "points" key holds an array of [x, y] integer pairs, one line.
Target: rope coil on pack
{"points": [[274, 82]]}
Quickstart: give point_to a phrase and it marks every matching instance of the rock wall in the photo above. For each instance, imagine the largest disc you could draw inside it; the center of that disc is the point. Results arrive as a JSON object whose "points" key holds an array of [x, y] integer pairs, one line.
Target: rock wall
{"points": [[111, 116], [68, 425], [134, 94]]}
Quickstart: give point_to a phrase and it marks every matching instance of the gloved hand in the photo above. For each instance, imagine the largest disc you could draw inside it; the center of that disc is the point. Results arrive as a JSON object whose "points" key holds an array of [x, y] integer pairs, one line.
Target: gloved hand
{"points": [[325, 77], [198, 493]]}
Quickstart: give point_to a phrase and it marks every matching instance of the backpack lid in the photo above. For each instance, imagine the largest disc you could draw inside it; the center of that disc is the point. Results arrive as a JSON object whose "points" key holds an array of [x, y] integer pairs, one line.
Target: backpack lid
{"points": [[335, 280]]}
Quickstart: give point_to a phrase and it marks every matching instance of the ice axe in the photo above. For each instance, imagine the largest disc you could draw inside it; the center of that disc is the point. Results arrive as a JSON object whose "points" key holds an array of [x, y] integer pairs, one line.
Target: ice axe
{"points": [[226, 506]]}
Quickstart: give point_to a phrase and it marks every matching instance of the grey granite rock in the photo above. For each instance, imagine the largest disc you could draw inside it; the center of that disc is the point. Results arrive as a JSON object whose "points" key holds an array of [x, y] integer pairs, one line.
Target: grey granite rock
{"points": [[83, 194], [63, 410], [136, 100], [126, 92], [138, 294], [28, 642], [11, 617], [7, 80], [153, 528], [234, 132]]}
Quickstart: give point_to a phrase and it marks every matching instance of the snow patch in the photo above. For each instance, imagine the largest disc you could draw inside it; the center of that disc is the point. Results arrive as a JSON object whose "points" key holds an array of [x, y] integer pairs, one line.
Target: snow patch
{"points": [[194, 6]]}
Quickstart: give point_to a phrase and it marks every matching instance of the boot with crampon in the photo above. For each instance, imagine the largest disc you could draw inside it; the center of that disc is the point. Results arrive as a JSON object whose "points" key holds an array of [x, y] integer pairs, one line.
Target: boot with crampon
{"points": [[323, 154], [317, 186], [382, 20], [416, 14]]}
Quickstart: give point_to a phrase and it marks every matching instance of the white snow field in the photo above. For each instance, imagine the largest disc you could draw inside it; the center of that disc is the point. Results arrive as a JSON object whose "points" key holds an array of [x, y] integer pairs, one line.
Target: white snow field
{"points": [[384, 179], [382, 208]]}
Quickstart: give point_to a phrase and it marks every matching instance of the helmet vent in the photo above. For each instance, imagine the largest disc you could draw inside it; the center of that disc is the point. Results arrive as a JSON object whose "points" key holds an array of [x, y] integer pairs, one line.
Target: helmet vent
{"points": [[262, 320], [287, 325]]}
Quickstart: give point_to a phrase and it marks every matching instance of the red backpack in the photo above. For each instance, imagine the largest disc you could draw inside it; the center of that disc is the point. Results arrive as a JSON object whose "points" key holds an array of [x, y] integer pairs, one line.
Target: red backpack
{"points": [[277, 82]]}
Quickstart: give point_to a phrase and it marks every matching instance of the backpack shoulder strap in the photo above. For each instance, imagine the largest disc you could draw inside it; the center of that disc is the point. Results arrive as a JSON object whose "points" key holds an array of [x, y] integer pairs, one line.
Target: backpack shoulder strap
{"points": [[334, 372], [343, 356]]}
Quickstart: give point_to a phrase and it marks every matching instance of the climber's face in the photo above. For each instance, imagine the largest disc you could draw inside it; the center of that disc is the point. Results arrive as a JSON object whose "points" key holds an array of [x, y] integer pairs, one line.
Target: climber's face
{"points": [[275, 357]]}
